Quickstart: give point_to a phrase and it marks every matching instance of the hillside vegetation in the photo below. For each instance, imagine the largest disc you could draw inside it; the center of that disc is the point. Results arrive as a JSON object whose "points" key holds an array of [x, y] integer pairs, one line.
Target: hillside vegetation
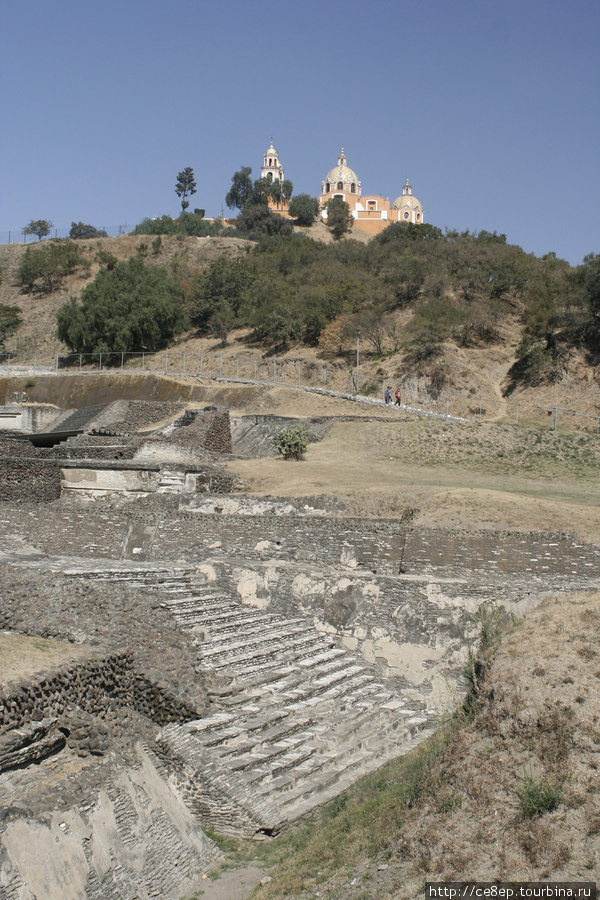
{"points": [[439, 307]]}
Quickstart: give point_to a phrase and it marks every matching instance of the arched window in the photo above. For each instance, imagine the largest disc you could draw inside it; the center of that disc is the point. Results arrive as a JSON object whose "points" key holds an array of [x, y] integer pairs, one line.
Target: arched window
{"points": [[340, 185], [418, 216], [327, 187], [407, 215], [270, 176], [352, 188]]}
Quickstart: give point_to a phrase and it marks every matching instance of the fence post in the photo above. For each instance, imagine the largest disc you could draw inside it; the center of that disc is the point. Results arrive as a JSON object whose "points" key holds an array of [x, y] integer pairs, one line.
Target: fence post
{"points": [[299, 364], [184, 362], [143, 360], [237, 369], [80, 362], [325, 375], [100, 369], [221, 363], [166, 360], [274, 369], [555, 417], [122, 354], [57, 360]]}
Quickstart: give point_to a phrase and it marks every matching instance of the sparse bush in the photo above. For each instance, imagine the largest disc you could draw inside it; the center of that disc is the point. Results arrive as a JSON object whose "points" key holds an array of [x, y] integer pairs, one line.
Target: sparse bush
{"points": [[254, 221], [10, 319], [538, 796], [80, 231], [292, 442], [106, 259], [42, 269]]}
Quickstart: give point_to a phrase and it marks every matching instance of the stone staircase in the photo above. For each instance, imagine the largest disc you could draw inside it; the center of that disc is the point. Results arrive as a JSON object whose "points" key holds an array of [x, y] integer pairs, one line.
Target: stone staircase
{"points": [[295, 718], [172, 481]]}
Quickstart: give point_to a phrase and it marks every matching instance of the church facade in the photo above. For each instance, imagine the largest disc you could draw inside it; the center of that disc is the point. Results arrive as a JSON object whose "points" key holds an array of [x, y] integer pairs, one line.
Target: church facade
{"points": [[371, 212]]}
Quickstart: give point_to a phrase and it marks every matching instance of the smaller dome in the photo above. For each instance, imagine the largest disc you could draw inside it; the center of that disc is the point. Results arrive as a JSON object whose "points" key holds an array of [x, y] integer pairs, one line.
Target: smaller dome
{"points": [[342, 172], [406, 199]]}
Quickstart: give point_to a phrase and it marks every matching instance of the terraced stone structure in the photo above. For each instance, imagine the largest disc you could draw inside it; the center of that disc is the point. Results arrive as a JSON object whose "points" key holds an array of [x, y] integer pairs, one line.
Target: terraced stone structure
{"points": [[245, 661]]}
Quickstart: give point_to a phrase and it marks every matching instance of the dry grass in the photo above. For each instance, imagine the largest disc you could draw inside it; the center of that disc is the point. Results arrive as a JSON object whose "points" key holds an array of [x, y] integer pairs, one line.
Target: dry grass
{"points": [[23, 656], [452, 810]]}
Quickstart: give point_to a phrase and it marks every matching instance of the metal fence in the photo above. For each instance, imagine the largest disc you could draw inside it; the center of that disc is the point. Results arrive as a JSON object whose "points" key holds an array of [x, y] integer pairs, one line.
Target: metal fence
{"points": [[255, 369], [16, 236]]}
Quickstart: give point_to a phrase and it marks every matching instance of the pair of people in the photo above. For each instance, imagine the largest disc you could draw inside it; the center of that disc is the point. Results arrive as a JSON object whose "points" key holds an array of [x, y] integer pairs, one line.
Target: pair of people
{"points": [[398, 396]]}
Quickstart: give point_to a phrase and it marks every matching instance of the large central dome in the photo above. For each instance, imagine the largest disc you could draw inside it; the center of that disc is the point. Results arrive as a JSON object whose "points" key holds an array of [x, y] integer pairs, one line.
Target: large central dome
{"points": [[342, 172]]}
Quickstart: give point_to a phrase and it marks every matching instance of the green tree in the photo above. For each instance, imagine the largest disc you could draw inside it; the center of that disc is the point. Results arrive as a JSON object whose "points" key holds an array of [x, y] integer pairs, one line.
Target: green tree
{"points": [[133, 307], [42, 269], [185, 186], [193, 224], [242, 189], [10, 319], [304, 209], [339, 217], [80, 231], [40, 227], [254, 221]]}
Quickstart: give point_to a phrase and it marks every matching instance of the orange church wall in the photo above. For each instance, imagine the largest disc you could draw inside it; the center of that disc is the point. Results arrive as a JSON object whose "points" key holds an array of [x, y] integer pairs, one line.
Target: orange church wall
{"points": [[371, 226]]}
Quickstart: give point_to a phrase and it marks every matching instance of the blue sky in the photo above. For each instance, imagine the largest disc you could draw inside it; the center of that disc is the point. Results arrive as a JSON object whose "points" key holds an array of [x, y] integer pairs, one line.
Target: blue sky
{"points": [[490, 107]]}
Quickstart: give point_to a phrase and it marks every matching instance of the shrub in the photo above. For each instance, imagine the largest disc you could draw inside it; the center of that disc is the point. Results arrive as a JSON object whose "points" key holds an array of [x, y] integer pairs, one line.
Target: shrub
{"points": [[292, 442], [42, 269], [538, 796], [255, 221], [81, 231], [193, 224], [132, 307], [10, 319]]}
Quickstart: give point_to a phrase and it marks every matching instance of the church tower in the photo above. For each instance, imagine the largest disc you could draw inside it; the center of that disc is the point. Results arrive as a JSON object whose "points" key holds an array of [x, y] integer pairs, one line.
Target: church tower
{"points": [[272, 168], [409, 209]]}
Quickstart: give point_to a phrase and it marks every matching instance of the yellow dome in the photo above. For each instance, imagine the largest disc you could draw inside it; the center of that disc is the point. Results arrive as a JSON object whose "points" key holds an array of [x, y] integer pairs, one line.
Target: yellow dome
{"points": [[406, 199], [342, 172]]}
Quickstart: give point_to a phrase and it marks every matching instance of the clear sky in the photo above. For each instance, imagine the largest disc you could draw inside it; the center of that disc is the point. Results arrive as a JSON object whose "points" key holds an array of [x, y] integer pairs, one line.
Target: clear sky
{"points": [[490, 107]]}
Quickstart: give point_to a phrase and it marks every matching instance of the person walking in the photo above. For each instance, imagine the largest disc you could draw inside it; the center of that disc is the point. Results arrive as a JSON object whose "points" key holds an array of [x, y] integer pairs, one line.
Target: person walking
{"points": [[398, 396], [388, 394]]}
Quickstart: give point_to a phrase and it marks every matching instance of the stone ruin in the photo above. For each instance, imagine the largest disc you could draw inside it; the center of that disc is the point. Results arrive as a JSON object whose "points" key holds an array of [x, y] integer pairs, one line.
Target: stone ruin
{"points": [[218, 662]]}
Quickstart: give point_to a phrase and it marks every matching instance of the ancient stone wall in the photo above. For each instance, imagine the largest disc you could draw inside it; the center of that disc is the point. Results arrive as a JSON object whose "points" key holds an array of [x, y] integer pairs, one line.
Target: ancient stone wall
{"points": [[29, 478], [94, 686]]}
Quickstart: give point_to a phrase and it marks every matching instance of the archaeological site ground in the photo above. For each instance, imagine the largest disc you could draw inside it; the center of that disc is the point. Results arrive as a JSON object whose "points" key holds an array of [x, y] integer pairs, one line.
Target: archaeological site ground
{"points": [[205, 646]]}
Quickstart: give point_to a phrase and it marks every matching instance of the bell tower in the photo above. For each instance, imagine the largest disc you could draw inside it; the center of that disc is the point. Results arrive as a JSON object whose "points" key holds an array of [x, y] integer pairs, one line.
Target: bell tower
{"points": [[272, 168]]}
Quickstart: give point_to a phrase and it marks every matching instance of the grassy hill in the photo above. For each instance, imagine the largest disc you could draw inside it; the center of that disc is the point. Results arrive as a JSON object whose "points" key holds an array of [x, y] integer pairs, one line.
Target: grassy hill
{"points": [[455, 313]]}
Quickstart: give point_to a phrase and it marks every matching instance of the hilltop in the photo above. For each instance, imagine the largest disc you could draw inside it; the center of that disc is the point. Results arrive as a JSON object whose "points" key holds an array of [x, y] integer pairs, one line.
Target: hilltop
{"points": [[470, 316]]}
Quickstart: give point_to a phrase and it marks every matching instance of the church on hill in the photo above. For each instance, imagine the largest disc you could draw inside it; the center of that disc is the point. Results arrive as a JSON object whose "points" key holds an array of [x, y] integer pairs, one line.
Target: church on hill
{"points": [[371, 212]]}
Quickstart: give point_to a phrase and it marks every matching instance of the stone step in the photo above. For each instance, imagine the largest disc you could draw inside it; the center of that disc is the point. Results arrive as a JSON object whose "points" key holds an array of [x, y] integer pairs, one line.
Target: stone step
{"points": [[237, 654]]}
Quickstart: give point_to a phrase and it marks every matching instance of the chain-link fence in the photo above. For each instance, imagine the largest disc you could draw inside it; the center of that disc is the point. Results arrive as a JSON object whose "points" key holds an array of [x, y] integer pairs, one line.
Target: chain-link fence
{"points": [[253, 368], [16, 236]]}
